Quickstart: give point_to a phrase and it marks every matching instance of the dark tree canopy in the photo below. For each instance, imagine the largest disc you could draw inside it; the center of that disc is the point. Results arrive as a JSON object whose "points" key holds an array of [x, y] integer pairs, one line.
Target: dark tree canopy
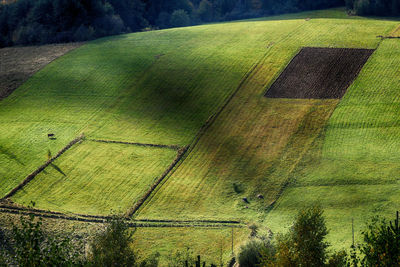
{"points": [[51, 21], [374, 7]]}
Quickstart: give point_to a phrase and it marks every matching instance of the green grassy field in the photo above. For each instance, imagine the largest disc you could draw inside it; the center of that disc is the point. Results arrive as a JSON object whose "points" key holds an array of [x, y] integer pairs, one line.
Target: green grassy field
{"points": [[121, 88], [97, 178], [353, 169], [257, 143], [160, 87], [213, 244]]}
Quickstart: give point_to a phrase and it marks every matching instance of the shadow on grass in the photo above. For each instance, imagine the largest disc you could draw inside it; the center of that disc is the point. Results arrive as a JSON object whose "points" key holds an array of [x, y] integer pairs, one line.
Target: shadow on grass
{"points": [[10, 155], [57, 169]]}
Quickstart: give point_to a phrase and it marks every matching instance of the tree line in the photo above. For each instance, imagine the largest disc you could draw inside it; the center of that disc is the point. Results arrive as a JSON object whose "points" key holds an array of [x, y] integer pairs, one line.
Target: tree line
{"points": [[374, 7], [29, 244], [25, 22]]}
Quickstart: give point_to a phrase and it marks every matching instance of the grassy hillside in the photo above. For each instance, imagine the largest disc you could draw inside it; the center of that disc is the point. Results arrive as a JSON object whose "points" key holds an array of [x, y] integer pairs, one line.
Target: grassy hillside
{"points": [[160, 87], [97, 178], [213, 244], [352, 171], [152, 87], [256, 143]]}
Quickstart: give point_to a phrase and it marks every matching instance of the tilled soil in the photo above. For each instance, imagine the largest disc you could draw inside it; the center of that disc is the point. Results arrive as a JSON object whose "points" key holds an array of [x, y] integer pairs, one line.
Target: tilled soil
{"points": [[17, 64], [319, 73]]}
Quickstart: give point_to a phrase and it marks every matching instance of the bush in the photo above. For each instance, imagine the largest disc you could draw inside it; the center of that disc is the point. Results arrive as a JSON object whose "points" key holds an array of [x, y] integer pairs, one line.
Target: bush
{"points": [[163, 20], [205, 11], [338, 259], [304, 243], [362, 7], [179, 18], [381, 245], [185, 258], [83, 33], [34, 247], [256, 252], [112, 246]]}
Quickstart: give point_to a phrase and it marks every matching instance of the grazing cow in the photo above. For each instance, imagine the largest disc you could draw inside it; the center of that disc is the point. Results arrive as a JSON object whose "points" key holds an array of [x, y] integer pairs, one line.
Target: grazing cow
{"points": [[50, 135]]}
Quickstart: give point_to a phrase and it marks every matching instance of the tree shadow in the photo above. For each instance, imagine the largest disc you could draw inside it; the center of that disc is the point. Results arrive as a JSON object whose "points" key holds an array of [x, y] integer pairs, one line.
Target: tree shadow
{"points": [[57, 169], [10, 155]]}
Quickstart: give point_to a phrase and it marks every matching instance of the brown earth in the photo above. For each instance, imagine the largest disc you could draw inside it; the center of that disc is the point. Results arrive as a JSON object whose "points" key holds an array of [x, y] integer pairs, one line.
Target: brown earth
{"points": [[17, 64], [319, 73]]}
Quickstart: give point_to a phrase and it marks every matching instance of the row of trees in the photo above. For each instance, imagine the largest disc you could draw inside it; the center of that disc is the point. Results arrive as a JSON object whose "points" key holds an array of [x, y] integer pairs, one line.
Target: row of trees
{"points": [[52, 21], [303, 245], [374, 7]]}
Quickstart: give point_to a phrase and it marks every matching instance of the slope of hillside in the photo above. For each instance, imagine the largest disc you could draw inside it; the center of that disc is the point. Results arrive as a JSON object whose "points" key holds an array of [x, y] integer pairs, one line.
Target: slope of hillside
{"points": [[250, 158], [254, 145], [353, 169], [153, 87]]}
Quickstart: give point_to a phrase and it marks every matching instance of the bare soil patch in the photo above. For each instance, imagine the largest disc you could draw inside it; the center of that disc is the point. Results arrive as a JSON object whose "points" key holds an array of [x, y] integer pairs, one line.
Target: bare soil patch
{"points": [[319, 73], [17, 64]]}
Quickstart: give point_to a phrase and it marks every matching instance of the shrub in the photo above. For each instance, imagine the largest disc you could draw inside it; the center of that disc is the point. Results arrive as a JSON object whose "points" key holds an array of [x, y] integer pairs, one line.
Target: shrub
{"points": [[338, 259], [35, 247], [304, 243], [83, 33], [257, 252], [185, 258], [163, 20], [381, 245], [112, 246], [179, 18], [362, 7], [205, 11]]}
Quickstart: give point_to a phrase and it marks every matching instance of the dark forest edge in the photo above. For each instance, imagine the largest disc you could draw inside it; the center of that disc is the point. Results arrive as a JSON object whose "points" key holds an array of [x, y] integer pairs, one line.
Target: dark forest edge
{"points": [[29, 244], [26, 22]]}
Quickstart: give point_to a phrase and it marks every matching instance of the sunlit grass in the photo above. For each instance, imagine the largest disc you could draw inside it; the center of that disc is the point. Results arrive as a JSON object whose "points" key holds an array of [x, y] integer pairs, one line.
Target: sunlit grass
{"points": [[162, 86], [212, 244], [353, 170], [97, 178]]}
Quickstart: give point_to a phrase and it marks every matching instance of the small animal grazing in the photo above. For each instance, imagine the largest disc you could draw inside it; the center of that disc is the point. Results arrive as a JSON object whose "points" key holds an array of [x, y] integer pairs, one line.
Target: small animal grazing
{"points": [[50, 135]]}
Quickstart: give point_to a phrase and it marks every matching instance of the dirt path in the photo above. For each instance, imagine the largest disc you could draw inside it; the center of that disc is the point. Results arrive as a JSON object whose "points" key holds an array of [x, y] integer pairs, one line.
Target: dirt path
{"points": [[17, 64]]}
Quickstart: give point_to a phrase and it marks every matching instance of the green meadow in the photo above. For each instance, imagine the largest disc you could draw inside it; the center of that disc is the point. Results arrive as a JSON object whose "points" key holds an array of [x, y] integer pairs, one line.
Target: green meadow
{"points": [[353, 168], [161, 87], [97, 178]]}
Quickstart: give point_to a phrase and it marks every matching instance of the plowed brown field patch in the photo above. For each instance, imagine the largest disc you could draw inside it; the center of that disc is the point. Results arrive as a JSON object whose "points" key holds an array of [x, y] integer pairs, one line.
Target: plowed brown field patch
{"points": [[17, 64], [319, 73]]}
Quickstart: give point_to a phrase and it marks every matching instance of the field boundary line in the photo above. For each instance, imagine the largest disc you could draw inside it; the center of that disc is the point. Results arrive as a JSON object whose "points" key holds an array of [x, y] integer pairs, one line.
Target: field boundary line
{"points": [[278, 75], [131, 223], [31, 176], [211, 120], [140, 202], [173, 147], [388, 37]]}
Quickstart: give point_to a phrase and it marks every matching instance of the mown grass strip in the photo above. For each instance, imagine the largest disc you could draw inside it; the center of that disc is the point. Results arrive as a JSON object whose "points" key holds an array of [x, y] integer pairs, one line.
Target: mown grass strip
{"points": [[208, 123], [140, 202], [31, 176], [173, 147]]}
